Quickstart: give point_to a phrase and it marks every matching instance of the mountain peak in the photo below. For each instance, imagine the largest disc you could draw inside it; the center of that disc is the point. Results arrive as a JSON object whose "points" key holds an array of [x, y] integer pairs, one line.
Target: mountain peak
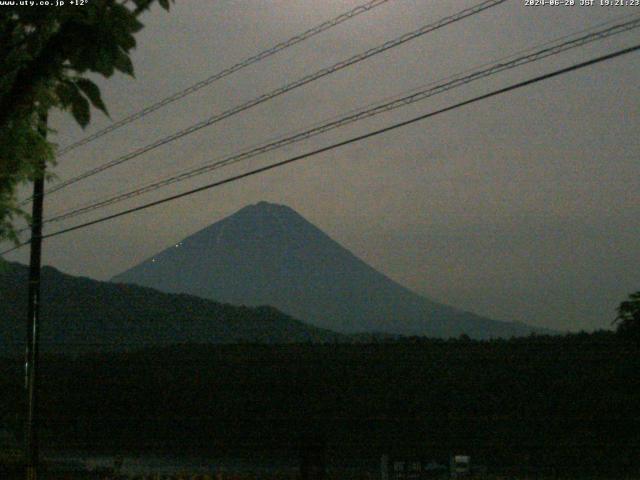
{"points": [[265, 204], [268, 254], [248, 222], [264, 207]]}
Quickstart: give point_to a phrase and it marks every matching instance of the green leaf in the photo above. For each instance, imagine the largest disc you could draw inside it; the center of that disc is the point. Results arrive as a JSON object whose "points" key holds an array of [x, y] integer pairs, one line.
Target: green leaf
{"points": [[81, 110], [92, 92], [66, 91], [123, 63], [135, 25], [127, 42], [142, 5], [164, 4]]}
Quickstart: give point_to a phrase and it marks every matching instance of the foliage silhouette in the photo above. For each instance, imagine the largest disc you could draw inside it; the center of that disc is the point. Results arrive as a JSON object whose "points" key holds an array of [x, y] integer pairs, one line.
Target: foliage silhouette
{"points": [[568, 403], [45, 57], [628, 318]]}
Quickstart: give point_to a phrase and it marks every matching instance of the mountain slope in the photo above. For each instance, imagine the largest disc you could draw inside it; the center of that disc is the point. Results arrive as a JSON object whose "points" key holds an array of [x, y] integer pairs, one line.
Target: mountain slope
{"points": [[269, 254], [79, 314]]}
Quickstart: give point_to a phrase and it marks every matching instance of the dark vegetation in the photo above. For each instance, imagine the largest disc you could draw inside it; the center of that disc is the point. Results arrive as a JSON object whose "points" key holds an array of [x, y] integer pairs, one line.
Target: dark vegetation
{"points": [[558, 404], [628, 319], [46, 55], [83, 315], [567, 403]]}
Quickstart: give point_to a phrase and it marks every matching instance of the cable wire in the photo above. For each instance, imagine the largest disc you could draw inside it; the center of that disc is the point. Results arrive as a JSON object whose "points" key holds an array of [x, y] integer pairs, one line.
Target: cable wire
{"points": [[113, 198], [225, 73], [396, 103], [280, 91], [374, 133]]}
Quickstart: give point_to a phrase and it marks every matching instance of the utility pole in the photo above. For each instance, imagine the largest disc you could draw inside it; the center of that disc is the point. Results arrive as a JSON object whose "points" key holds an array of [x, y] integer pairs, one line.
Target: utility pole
{"points": [[33, 319]]}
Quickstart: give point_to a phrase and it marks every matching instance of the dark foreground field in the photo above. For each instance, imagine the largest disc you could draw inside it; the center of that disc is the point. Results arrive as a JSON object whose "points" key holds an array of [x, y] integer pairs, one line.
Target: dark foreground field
{"points": [[556, 407]]}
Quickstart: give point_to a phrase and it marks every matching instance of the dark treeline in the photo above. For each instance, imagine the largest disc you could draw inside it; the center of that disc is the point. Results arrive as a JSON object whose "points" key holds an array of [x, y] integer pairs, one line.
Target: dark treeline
{"points": [[83, 315], [567, 403]]}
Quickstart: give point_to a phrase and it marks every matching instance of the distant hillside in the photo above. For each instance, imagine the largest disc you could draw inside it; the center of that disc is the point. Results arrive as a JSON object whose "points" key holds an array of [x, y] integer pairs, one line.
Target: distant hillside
{"points": [[268, 254], [79, 314]]}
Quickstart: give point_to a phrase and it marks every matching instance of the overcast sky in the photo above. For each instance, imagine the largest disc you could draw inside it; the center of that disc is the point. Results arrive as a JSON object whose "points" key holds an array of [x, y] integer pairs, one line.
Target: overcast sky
{"points": [[524, 207]]}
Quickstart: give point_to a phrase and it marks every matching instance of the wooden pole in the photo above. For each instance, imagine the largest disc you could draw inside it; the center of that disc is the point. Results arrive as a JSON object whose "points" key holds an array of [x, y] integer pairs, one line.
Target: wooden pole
{"points": [[33, 321]]}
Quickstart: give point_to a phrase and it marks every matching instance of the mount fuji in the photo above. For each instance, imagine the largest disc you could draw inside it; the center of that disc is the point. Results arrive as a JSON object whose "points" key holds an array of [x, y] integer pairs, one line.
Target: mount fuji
{"points": [[268, 254]]}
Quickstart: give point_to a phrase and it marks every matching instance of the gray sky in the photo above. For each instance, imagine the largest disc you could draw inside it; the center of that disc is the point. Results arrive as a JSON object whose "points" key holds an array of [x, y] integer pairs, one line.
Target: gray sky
{"points": [[524, 207]]}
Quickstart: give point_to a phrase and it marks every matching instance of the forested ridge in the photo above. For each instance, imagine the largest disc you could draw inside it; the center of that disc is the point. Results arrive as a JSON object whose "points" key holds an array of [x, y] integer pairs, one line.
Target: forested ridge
{"points": [[83, 315], [569, 402]]}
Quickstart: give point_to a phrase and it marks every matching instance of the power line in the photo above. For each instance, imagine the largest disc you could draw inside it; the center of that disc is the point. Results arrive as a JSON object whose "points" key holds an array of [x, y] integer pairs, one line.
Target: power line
{"points": [[280, 91], [117, 196], [226, 72], [396, 103], [374, 133]]}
